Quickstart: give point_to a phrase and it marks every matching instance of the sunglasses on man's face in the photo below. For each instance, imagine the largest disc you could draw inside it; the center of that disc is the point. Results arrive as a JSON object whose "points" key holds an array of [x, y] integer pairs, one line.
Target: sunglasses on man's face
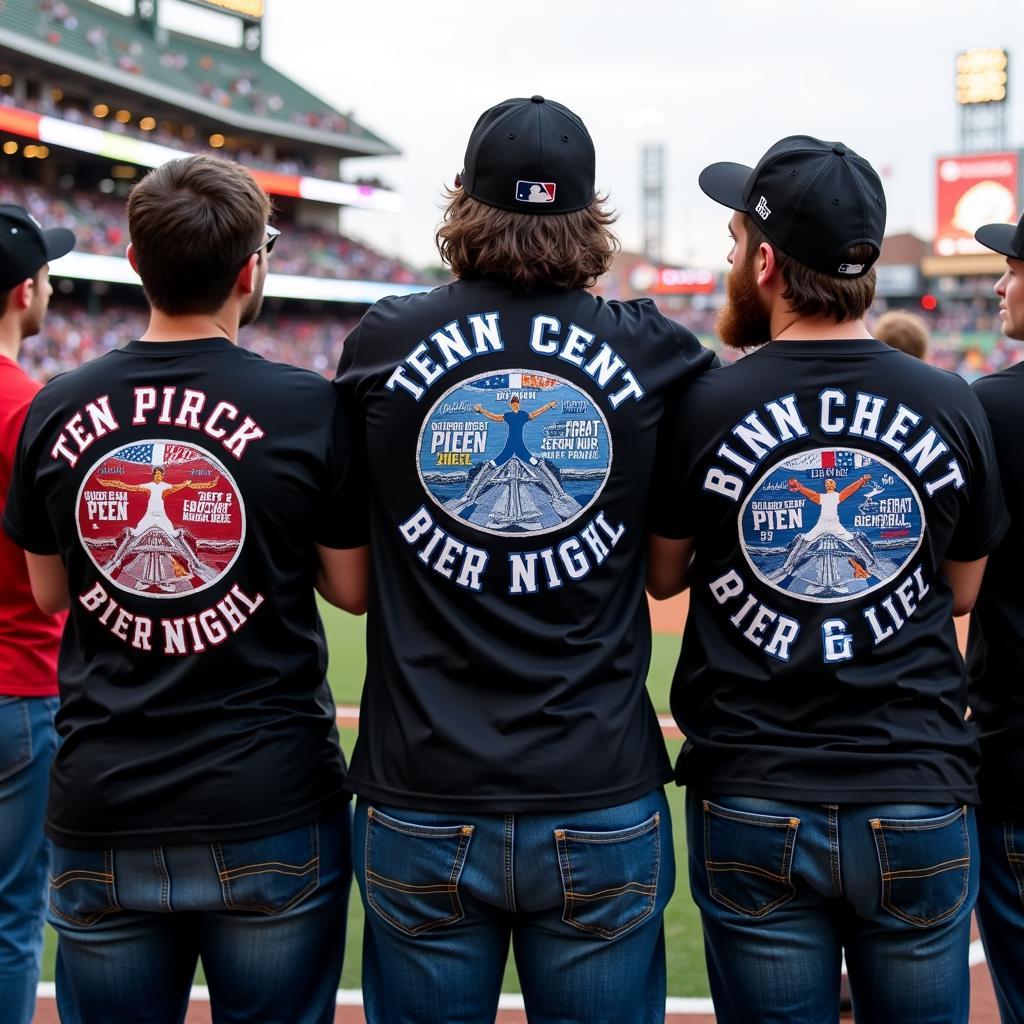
{"points": [[268, 243]]}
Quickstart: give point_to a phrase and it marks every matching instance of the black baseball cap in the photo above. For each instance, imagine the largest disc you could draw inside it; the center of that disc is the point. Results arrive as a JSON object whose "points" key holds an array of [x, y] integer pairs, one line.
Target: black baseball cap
{"points": [[25, 246], [1006, 239], [531, 156], [812, 199]]}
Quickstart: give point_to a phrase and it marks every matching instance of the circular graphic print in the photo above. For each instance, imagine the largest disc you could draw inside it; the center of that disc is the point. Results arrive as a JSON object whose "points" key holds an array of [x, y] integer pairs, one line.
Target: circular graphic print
{"points": [[831, 524], [160, 518], [514, 452]]}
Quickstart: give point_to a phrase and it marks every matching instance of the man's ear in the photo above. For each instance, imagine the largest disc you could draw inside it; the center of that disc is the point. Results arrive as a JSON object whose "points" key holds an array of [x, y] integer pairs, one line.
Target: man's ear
{"points": [[21, 295], [246, 280], [132, 260], [765, 266]]}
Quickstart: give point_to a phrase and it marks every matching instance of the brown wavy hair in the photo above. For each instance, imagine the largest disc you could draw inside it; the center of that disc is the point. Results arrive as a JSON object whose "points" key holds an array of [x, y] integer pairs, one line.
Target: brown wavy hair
{"points": [[811, 293], [529, 250]]}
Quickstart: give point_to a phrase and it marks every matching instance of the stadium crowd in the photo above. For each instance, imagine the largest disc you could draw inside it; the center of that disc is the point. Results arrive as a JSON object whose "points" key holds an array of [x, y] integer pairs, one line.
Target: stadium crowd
{"points": [[71, 336], [99, 225]]}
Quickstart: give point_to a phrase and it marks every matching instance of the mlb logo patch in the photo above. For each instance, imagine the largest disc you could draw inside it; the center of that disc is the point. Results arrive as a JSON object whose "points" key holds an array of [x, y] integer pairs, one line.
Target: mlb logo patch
{"points": [[535, 191]]}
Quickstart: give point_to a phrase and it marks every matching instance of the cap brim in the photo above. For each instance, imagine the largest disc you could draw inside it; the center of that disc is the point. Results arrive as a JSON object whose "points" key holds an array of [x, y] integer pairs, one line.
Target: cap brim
{"points": [[59, 242], [999, 238], [724, 183]]}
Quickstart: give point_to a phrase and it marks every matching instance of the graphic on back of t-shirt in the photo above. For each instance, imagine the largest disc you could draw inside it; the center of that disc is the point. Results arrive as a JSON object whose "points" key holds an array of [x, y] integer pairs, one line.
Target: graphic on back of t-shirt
{"points": [[514, 452], [830, 524], [160, 518]]}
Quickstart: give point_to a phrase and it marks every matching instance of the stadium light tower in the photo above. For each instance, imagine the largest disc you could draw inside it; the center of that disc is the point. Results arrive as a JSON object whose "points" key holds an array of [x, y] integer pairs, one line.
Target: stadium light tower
{"points": [[982, 77], [652, 162]]}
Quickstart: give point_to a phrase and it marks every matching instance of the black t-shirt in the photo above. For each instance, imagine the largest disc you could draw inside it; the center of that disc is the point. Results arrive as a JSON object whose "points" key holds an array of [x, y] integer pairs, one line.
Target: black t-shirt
{"points": [[183, 484], [824, 483], [511, 439], [995, 655]]}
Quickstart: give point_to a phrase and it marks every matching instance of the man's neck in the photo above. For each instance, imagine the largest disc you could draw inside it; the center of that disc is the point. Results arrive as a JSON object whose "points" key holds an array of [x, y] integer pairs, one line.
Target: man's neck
{"points": [[786, 326], [10, 338], [164, 327]]}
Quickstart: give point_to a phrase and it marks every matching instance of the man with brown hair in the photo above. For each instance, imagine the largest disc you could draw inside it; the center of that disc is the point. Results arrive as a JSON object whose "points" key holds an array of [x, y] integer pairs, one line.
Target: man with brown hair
{"points": [[196, 807], [905, 331], [29, 638], [509, 764], [828, 765]]}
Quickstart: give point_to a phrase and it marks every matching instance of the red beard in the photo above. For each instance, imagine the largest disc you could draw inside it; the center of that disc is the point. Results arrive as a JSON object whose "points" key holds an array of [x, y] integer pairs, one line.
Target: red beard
{"points": [[742, 322]]}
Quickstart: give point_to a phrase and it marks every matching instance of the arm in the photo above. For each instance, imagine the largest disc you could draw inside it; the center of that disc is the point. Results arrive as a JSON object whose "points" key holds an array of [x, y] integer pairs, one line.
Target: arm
{"points": [[795, 485], [668, 566], [490, 415], [965, 580], [343, 577], [543, 409], [855, 486], [119, 485], [49, 581]]}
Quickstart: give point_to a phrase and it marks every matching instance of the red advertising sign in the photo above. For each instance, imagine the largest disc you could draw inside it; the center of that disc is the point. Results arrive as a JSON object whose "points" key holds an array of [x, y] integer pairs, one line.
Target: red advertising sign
{"points": [[980, 188]]}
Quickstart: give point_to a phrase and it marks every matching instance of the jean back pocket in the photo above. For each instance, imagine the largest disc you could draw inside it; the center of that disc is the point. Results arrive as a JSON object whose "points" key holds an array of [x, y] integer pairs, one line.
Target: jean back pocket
{"points": [[749, 858], [271, 874], [412, 871], [82, 887], [925, 865], [15, 736], [610, 879]]}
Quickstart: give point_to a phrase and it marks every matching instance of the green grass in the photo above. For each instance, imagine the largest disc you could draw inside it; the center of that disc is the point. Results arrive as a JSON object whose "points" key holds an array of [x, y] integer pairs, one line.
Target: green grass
{"points": [[686, 974]]}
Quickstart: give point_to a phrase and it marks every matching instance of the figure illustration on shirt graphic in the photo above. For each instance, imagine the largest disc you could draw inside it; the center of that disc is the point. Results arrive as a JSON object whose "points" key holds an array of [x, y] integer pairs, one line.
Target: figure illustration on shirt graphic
{"points": [[517, 486], [154, 550], [828, 538]]}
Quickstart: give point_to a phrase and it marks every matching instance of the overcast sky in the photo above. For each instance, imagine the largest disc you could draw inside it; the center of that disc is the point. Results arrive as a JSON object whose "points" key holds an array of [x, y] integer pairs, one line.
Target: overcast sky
{"points": [[712, 80]]}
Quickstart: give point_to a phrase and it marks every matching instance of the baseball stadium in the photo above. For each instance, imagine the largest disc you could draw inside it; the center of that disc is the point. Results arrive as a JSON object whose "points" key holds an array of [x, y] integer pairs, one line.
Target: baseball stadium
{"points": [[94, 94]]}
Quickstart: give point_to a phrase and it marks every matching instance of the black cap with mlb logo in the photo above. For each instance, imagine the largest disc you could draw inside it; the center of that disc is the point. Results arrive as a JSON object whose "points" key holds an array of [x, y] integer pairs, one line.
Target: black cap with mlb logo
{"points": [[1005, 239], [531, 156], [25, 246], [812, 199]]}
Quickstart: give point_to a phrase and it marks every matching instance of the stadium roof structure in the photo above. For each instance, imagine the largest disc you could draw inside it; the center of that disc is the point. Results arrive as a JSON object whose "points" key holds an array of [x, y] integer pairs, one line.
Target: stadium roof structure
{"points": [[226, 84]]}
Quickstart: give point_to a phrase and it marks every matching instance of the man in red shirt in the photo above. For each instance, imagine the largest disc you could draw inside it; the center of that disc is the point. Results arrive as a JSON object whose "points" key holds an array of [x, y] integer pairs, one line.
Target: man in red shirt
{"points": [[28, 638]]}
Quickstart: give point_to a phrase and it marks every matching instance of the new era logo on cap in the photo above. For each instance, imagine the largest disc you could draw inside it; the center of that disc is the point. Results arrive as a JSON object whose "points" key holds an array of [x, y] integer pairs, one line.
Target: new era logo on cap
{"points": [[851, 268], [762, 208], [535, 191]]}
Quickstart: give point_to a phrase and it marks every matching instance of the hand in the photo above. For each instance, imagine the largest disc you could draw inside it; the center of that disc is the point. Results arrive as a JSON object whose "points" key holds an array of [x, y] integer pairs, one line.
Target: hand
{"points": [[793, 485]]}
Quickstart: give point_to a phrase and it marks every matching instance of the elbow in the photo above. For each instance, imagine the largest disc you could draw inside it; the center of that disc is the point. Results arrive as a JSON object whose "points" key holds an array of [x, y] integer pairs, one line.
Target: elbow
{"points": [[660, 590], [354, 605], [963, 605], [52, 604]]}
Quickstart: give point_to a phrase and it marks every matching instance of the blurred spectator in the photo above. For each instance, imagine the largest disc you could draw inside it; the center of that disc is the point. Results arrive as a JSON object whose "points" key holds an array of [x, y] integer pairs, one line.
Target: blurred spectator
{"points": [[906, 331], [71, 335]]}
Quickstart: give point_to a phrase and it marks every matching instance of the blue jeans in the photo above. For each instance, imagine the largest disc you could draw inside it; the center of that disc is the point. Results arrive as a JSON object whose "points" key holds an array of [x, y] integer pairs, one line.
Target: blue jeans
{"points": [[783, 888], [266, 917], [1001, 908], [580, 895], [27, 744]]}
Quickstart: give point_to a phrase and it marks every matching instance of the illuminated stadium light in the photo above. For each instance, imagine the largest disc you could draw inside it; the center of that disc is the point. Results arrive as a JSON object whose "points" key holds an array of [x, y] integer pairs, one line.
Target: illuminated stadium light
{"points": [[29, 152], [55, 131], [101, 110], [123, 171], [11, 147], [85, 266], [42, 152], [147, 124], [124, 116], [56, 95], [6, 80], [981, 76], [216, 140]]}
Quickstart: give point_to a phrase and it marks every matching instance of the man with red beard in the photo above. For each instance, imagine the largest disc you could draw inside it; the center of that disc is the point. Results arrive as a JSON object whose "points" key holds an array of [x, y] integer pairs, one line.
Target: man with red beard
{"points": [[829, 768]]}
